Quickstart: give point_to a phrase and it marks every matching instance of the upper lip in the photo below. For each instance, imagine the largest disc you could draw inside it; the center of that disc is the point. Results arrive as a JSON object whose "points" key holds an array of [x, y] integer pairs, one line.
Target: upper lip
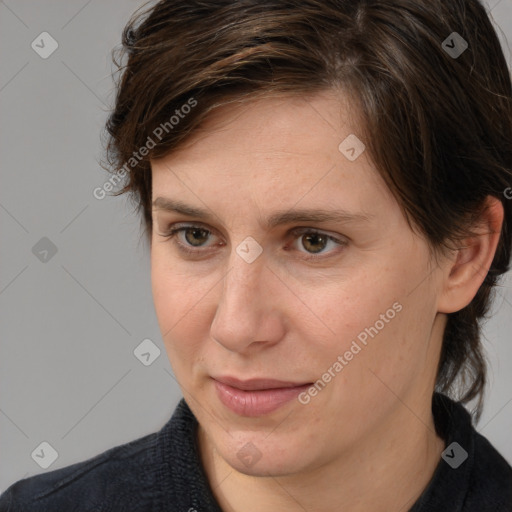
{"points": [[258, 384]]}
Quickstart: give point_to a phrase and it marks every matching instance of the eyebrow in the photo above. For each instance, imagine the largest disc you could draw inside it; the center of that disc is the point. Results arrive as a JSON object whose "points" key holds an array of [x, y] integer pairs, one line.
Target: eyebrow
{"points": [[277, 218]]}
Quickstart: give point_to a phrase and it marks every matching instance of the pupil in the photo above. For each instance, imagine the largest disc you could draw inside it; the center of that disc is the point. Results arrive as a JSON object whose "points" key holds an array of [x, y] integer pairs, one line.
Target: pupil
{"points": [[315, 237], [194, 238]]}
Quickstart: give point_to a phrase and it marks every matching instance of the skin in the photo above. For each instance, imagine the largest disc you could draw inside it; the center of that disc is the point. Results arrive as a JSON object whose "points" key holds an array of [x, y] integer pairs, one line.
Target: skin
{"points": [[367, 440]]}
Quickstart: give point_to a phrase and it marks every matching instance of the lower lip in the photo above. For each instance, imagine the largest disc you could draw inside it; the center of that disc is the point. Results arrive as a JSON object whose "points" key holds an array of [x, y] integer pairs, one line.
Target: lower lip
{"points": [[256, 403]]}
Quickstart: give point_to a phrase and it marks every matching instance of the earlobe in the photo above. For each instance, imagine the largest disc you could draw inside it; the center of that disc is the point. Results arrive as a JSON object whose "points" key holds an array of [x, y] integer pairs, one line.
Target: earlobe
{"points": [[466, 272]]}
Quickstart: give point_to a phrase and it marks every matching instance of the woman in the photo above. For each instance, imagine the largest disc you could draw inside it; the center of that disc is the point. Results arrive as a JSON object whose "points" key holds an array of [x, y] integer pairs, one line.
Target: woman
{"points": [[325, 188]]}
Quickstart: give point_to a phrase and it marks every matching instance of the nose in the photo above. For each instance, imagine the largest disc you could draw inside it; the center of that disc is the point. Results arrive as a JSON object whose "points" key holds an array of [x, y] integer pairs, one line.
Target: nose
{"points": [[248, 316]]}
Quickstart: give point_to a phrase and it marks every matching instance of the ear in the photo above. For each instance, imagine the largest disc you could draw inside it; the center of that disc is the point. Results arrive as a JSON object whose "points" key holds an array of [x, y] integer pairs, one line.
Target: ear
{"points": [[466, 271]]}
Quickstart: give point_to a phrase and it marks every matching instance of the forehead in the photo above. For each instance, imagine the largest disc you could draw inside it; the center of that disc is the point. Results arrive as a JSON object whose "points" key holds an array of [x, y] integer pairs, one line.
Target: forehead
{"points": [[278, 123], [277, 151]]}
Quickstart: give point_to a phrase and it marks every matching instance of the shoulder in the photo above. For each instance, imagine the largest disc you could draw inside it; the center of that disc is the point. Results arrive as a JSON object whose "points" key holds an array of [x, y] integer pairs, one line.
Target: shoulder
{"points": [[490, 486], [150, 473], [481, 481], [121, 473]]}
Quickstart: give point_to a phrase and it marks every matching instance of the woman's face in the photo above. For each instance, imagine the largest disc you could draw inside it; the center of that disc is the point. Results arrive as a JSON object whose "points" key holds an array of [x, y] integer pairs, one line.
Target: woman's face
{"points": [[346, 306]]}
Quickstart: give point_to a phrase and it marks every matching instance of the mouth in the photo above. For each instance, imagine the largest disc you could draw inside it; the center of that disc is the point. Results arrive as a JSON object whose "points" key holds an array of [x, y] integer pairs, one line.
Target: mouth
{"points": [[258, 384], [256, 397]]}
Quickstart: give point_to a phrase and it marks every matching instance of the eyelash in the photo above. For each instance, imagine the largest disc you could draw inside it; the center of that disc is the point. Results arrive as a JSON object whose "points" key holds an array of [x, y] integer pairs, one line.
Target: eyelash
{"points": [[298, 232]]}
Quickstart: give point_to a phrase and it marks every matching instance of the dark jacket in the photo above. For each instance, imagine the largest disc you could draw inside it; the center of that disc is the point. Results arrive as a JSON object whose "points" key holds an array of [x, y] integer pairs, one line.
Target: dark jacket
{"points": [[162, 472]]}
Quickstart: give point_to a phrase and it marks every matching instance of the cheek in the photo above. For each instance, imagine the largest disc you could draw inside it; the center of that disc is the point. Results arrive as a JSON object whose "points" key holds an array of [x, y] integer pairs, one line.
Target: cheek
{"points": [[352, 309], [390, 361], [370, 317], [177, 308], [174, 292]]}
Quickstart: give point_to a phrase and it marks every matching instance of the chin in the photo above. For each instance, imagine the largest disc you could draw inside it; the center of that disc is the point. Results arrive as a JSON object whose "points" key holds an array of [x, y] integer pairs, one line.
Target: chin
{"points": [[274, 468], [256, 455]]}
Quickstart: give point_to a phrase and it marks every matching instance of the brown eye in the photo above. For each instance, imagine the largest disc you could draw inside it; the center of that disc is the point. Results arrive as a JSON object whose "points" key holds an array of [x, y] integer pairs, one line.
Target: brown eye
{"points": [[196, 236], [314, 242], [191, 240]]}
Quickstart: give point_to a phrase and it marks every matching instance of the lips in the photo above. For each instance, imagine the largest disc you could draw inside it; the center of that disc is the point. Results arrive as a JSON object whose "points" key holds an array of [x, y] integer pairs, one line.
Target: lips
{"points": [[256, 397], [258, 384]]}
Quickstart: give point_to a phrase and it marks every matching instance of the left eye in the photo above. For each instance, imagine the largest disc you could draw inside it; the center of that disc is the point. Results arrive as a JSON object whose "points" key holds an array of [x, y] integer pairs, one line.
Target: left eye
{"points": [[316, 241], [195, 236]]}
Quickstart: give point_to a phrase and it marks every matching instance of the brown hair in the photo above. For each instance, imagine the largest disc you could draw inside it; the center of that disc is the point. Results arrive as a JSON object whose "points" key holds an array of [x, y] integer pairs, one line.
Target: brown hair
{"points": [[437, 126]]}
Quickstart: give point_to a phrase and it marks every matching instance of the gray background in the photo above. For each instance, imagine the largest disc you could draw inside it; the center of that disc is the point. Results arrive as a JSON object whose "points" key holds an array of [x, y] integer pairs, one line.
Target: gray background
{"points": [[69, 326]]}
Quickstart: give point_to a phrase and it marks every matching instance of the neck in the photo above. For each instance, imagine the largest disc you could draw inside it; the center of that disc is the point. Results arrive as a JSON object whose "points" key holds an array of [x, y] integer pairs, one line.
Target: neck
{"points": [[389, 471]]}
